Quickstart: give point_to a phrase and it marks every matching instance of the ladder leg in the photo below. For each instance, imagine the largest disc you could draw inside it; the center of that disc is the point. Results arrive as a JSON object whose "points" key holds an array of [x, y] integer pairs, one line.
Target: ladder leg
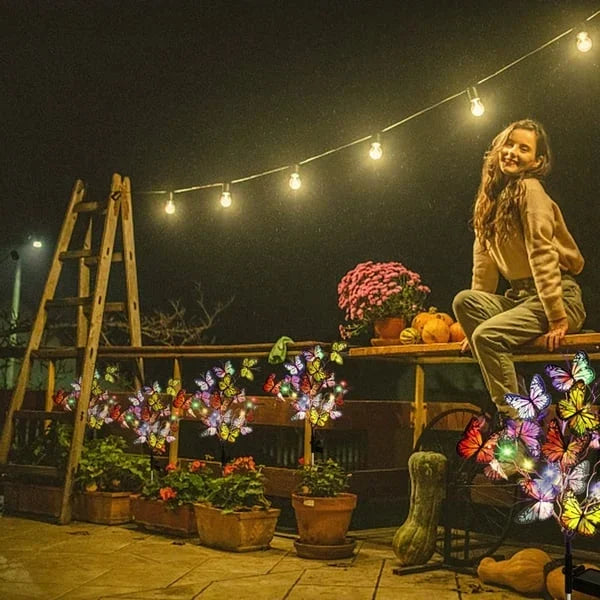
{"points": [[91, 350], [40, 320]]}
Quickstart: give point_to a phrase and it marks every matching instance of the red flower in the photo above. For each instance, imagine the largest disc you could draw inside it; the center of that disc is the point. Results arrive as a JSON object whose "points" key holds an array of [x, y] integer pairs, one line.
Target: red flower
{"points": [[167, 493], [171, 467], [197, 465], [227, 470], [301, 461]]}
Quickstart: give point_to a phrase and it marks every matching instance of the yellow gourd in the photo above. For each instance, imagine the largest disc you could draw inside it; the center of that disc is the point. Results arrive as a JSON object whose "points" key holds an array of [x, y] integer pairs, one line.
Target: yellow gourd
{"points": [[421, 318], [409, 336], [523, 572], [435, 331]]}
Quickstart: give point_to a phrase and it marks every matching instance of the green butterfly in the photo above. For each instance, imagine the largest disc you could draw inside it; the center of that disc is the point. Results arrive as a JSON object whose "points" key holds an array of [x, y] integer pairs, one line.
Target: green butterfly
{"points": [[336, 348], [246, 370], [111, 373], [173, 387]]}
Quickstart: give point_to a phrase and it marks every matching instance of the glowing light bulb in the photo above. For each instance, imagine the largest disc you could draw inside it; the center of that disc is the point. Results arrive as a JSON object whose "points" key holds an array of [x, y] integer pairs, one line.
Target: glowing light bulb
{"points": [[584, 41], [225, 196], [528, 464], [170, 205], [376, 151], [295, 182], [477, 108], [36, 244]]}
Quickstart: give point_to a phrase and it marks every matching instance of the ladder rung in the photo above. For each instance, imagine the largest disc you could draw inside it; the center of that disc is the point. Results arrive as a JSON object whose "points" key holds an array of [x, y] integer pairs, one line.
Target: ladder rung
{"points": [[115, 307], [93, 260], [31, 471], [73, 301], [56, 353], [98, 207], [44, 415], [88, 256]]}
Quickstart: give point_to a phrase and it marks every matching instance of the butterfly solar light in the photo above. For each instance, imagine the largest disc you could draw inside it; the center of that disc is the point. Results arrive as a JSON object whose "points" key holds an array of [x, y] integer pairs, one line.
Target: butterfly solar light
{"points": [[150, 417], [310, 385], [221, 403], [103, 407], [552, 456]]}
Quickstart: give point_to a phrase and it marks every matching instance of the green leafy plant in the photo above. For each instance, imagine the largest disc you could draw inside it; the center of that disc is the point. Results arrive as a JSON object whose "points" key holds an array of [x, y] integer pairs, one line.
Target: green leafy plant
{"points": [[50, 449], [176, 486], [241, 488], [323, 479], [106, 466]]}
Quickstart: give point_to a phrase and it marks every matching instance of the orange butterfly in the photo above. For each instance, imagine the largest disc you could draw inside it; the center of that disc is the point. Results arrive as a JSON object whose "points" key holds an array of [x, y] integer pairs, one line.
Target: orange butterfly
{"points": [[556, 448], [473, 444]]}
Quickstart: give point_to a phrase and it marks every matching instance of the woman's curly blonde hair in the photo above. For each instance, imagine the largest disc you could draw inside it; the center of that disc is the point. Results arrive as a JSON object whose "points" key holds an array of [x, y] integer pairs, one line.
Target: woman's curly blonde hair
{"points": [[496, 211]]}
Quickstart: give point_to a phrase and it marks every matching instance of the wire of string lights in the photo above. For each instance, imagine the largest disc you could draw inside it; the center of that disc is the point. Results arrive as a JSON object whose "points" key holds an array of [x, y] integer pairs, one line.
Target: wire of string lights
{"points": [[584, 43]]}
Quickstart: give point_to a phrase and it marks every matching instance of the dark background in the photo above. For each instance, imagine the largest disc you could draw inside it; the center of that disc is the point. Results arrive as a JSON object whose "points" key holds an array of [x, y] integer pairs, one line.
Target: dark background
{"points": [[176, 94]]}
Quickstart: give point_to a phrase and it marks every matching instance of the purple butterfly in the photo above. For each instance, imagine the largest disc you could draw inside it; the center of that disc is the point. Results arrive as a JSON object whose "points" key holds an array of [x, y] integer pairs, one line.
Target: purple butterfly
{"points": [[581, 370], [541, 510], [527, 432], [532, 406]]}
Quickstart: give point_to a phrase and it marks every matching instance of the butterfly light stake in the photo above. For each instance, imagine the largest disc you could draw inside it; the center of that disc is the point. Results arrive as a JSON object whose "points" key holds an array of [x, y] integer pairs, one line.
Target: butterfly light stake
{"points": [[103, 406], [315, 395], [550, 456], [221, 403]]}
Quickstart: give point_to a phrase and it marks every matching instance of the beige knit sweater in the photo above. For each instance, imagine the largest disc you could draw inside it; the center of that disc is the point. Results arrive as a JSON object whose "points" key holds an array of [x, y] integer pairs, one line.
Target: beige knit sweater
{"points": [[543, 251]]}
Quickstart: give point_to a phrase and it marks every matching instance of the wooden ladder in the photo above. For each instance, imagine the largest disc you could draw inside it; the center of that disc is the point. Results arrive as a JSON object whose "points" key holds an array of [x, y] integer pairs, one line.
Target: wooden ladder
{"points": [[90, 312]]}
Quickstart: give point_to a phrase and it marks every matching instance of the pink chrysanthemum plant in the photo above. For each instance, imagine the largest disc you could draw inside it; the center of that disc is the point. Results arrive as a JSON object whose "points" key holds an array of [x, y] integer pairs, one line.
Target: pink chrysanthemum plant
{"points": [[311, 386], [377, 290], [221, 403], [103, 408], [549, 455]]}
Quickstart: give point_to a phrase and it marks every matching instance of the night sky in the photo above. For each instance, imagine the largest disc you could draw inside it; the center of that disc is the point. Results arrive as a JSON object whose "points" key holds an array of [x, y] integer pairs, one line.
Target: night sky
{"points": [[177, 94]]}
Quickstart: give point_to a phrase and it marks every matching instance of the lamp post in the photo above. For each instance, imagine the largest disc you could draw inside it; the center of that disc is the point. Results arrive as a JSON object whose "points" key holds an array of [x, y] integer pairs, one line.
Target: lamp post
{"points": [[15, 309]]}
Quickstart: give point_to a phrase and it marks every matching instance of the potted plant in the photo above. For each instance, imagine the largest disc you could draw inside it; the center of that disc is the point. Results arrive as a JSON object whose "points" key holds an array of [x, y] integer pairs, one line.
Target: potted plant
{"points": [[235, 515], [385, 295], [106, 478], [323, 511], [165, 504]]}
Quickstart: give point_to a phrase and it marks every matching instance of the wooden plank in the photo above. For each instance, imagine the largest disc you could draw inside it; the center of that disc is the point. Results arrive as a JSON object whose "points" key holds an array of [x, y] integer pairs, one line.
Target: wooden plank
{"points": [[83, 289], [62, 416], [69, 301], [87, 207], [30, 471]]}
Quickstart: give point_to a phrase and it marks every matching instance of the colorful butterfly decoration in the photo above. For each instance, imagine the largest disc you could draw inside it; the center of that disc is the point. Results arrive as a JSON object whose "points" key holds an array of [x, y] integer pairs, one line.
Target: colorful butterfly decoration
{"points": [[551, 454], [474, 444], [580, 370], [248, 365], [533, 406]]}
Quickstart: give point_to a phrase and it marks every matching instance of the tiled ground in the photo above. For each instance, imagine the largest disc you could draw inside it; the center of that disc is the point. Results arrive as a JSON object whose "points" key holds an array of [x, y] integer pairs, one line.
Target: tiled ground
{"points": [[94, 562]]}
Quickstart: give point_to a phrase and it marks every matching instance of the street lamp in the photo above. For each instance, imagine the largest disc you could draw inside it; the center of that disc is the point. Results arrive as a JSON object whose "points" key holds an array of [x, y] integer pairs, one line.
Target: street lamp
{"points": [[15, 309]]}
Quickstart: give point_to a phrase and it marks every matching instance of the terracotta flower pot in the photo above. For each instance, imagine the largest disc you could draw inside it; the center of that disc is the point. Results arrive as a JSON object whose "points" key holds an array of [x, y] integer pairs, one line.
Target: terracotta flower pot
{"points": [[389, 328], [323, 521], [155, 516], [241, 531], [108, 508]]}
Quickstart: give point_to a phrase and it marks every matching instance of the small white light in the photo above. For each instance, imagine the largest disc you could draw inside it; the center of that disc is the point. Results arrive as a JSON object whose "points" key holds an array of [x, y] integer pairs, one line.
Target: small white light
{"points": [[477, 108], [37, 244], [584, 41], [170, 205], [376, 151], [295, 182], [225, 196]]}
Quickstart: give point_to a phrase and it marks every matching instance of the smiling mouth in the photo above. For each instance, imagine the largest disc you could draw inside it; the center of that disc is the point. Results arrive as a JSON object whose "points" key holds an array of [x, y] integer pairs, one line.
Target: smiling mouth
{"points": [[508, 162]]}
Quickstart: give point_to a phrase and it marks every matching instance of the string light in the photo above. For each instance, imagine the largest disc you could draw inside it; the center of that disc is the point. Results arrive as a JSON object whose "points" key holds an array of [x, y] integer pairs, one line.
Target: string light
{"points": [[477, 107], [584, 44], [295, 182], [170, 205], [37, 243], [225, 196], [584, 41], [376, 151]]}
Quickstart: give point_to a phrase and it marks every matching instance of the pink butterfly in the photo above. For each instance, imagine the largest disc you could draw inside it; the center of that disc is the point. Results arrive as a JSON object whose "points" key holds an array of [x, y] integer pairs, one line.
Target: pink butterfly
{"points": [[527, 432], [581, 370], [541, 510]]}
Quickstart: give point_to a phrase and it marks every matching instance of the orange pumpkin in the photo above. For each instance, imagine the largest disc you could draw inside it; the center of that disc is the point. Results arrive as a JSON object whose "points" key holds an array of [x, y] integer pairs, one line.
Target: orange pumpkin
{"points": [[421, 318], [456, 332], [444, 317], [435, 331]]}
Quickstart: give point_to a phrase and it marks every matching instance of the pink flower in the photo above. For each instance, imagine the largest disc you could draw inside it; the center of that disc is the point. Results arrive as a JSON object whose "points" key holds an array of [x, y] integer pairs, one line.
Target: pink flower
{"points": [[197, 465], [167, 493], [171, 467]]}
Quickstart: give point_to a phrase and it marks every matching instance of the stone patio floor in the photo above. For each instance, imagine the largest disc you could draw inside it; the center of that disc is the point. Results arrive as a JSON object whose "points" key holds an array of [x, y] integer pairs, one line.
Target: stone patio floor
{"points": [[82, 561]]}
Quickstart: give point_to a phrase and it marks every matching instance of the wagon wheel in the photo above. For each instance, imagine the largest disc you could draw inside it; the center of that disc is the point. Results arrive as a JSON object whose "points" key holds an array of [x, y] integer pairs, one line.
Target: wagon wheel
{"points": [[477, 512]]}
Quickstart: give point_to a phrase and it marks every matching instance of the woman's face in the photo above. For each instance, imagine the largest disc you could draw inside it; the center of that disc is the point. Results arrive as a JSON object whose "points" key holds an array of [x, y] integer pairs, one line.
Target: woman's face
{"points": [[518, 154]]}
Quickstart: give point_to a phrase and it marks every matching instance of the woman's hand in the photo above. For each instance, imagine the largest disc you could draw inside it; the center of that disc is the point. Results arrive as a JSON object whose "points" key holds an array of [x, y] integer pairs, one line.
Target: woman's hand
{"points": [[464, 346], [556, 333]]}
